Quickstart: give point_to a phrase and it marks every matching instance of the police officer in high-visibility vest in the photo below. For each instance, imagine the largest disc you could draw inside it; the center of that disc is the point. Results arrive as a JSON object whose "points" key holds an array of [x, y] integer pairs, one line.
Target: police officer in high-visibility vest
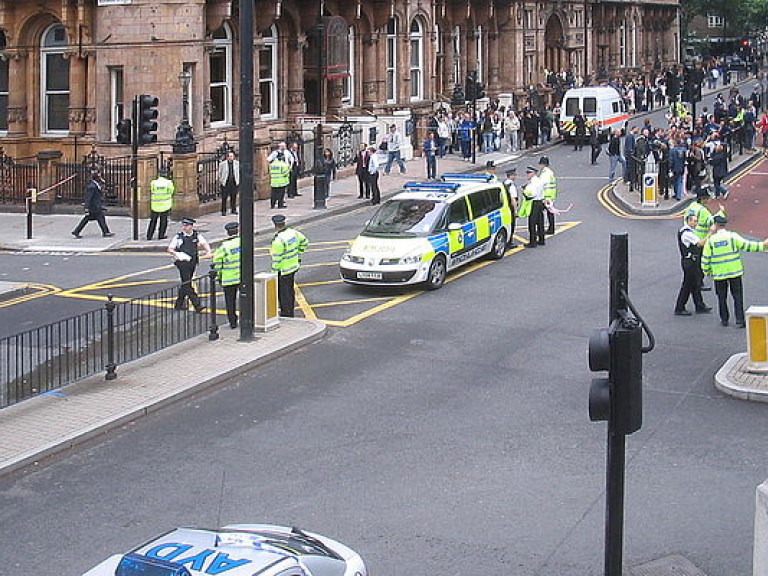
{"points": [[184, 248], [704, 218], [279, 178], [160, 204], [690, 245], [550, 191], [287, 247], [721, 259], [226, 261]]}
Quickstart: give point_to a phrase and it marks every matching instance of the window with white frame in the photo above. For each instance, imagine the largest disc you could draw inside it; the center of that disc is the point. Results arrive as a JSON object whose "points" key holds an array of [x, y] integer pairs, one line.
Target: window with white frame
{"points": [[479, 52], [391, 64], [417, 59], [268, 73], [715, 21], [3, 88], [633, 44], [220, 73], [456, 40], [529, 67], [348, 82], [116, 103], [54, 81], [188, 69], [623, 45]]}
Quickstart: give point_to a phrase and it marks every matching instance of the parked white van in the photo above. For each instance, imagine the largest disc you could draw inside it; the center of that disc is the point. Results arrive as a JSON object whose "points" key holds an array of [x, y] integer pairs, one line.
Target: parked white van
{"points": [[601, 105]]}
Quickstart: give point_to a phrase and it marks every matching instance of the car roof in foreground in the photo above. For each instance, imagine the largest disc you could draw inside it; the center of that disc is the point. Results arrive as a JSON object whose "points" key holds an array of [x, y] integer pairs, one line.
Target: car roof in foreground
{"points": [[232, 551], [454, 185]]}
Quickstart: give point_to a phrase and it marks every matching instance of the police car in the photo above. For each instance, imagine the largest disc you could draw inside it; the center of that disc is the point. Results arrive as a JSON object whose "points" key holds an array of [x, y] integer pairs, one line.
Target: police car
{"points": [[236, 550], [429, 229]]}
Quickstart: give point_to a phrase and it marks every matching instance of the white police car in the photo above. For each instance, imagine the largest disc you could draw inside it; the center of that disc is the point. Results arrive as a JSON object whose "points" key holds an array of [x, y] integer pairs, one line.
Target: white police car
{"points": [[428, 229], [236, 550]]}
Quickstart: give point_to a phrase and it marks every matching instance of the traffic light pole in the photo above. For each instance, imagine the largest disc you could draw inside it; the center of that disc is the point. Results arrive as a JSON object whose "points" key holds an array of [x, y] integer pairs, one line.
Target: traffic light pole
{"points": [[135, 166], [614, 503]]}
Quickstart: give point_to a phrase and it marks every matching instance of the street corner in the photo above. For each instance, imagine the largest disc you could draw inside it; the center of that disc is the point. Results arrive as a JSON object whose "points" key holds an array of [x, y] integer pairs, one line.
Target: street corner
{"points": [[12, 290]]}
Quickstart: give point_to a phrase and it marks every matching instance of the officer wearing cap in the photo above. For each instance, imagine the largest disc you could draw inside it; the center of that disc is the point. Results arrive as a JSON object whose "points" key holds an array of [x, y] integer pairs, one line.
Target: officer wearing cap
{"points": [[287, 247], [511, 187], [160, 204], [700, 208], [550, 191], [226, 262], [534, 191], [690, 245], [94, 206], [721, 259], [184, 248]]}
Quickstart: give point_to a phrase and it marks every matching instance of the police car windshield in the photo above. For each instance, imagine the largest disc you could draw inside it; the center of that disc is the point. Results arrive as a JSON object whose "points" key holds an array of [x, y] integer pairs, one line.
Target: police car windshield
{"points": [[406, 218]]}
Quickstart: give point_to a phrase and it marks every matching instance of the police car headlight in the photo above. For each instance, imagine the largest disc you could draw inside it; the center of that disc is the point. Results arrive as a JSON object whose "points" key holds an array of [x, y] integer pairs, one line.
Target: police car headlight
{"points": [[410, 259], [350, 258]]}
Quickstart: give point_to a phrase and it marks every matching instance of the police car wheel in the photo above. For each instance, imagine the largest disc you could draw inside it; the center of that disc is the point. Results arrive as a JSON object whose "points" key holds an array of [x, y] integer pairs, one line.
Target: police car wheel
{"points": [[499, 246], [436, 274]]}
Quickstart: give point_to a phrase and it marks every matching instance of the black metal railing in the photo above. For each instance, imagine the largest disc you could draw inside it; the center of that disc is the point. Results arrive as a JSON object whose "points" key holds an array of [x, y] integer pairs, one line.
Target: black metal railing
{"points": [[208, 188], [45, 358], [16, 175]]}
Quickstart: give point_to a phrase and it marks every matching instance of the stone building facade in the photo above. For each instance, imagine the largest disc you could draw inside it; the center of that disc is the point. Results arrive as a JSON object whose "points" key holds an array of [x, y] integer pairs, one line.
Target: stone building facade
{"points": [[69, 69]]}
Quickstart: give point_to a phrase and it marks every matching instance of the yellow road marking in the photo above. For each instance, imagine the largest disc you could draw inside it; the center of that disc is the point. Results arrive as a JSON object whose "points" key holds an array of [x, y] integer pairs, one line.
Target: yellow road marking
{"points": [[40, 291]]}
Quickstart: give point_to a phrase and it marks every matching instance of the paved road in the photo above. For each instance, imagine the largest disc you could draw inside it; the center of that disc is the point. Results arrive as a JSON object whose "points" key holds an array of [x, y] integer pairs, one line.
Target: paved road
{"points": [[445, 434]]}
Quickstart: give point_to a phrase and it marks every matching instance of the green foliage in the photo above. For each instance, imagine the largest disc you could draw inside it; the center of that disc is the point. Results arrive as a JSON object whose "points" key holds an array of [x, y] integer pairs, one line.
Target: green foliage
{"points": [[741, 16]]}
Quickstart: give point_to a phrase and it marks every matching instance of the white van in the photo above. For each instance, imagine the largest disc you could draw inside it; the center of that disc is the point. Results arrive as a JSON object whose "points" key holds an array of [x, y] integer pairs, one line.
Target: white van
{"points": [[601, 105]]}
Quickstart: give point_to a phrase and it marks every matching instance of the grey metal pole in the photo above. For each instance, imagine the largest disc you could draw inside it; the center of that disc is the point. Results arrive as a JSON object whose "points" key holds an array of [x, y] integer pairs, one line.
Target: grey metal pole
{"points": [[246, 171]]}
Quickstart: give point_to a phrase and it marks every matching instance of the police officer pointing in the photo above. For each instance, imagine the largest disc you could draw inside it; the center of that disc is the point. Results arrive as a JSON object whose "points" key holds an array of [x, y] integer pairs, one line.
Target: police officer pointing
{"points": [[287, 247]]}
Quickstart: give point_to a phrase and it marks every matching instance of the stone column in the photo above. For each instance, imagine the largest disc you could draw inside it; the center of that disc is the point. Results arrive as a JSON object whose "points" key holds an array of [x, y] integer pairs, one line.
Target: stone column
{"points": [[186, 202], [335, 94], [146, 171], [493, 63], [296, 103], [261, 149], [17, 94], [370, 82], [77, 97]]}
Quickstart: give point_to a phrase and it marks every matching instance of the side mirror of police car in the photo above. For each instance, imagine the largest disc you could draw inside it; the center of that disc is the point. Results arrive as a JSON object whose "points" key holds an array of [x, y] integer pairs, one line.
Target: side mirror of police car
{"points": [[454, 226]]}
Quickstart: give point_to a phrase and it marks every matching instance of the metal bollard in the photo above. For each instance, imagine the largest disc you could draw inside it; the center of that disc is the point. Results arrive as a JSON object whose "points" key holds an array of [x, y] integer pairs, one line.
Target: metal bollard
{"points": [[111, 366], [213, 327], [319, 192]]}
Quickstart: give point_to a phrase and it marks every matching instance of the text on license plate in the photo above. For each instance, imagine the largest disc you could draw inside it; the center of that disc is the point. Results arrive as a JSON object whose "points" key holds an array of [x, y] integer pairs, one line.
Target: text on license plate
{"points": [[369, 275]]}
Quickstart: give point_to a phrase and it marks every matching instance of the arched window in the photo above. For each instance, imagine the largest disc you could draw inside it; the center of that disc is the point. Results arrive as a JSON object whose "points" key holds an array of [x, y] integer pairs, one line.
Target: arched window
{"points": [[3, 88], [54, 81], [391, 60], [220, 73], [348, 83], [417, 59], [268, 73]]}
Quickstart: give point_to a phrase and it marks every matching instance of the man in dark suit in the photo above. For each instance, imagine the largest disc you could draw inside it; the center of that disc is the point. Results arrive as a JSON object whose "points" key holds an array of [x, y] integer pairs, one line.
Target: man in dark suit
{"points": [[94, 206]]}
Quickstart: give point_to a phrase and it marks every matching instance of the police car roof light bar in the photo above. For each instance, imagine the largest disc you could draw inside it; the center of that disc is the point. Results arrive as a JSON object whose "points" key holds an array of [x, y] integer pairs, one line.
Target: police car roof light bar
{"points": [[133, 564], [473, 177], [432, 186]]}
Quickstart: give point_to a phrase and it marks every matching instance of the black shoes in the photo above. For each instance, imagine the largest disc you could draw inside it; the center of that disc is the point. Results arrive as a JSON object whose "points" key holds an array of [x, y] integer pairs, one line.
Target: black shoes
{"points": [[76, 234], [724, 322], [682, 313], [108, 234], [740, 324], [531, 245], [704, 310]]}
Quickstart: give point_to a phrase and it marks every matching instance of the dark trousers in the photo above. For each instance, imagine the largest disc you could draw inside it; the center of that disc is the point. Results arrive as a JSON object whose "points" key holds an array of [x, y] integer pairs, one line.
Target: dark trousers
{"points": [[230, 300], [511, 240], [431, 166], [596, 149], [550, 221], [98, 216], [286, 295], [228, 192], [163, 217], [187, 289], [293, 183], [536, 222], [578, 142], [373, 180], [363, 185], [692, 280], [277, 197], [721, 289]]}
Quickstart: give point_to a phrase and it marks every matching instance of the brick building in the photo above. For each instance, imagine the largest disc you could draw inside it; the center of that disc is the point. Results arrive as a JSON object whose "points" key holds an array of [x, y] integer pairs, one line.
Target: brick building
{"points": [[69, 69]]}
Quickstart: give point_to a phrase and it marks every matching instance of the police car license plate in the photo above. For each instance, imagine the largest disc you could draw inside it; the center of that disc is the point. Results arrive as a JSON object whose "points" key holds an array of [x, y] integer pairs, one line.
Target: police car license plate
{"points": [[369, 275]]}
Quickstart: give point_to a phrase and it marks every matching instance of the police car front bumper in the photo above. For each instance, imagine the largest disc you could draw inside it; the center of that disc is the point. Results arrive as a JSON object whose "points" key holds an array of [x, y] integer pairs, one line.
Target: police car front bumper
{"points": [[383, 275]]}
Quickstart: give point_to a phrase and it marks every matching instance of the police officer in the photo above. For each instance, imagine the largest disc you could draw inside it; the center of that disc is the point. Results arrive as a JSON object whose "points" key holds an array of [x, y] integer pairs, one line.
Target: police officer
{"points": [[704, 218], [287, 247], [184, 248], [279, 179], [550, 190], [226, 261], [721, 259], [534, 191], [160, 204], [690, 245], [511, 187]]}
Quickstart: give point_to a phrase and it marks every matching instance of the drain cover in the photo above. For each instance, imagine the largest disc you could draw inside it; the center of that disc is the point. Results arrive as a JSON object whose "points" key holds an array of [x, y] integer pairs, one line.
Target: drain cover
{"points": [[668, 566]]}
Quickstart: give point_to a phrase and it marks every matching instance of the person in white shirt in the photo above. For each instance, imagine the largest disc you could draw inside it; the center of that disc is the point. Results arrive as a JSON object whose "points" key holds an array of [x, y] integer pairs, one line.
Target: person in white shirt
{"points": [[394, 141], [511, 187], [373, 175], [534, 190]]}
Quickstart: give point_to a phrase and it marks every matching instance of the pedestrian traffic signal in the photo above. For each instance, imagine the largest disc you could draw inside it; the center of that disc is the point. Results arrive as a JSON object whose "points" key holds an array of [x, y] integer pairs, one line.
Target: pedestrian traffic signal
{"points": [[147, 114], [618, 398], [124, 135]]}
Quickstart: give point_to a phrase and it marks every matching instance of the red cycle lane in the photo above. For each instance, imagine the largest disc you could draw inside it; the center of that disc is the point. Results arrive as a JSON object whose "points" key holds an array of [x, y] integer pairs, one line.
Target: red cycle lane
{"points": [[747, 203]]}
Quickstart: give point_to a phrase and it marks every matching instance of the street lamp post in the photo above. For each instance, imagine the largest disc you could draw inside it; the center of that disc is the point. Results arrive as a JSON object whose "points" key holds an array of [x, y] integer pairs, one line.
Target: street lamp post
{"points": [[184, 143], [320, 184]]}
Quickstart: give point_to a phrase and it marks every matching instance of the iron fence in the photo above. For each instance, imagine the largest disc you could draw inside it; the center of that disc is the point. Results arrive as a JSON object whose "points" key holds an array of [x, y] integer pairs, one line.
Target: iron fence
{"points": [[345, 141], [208, 189], [45, 358], [16, 176]]}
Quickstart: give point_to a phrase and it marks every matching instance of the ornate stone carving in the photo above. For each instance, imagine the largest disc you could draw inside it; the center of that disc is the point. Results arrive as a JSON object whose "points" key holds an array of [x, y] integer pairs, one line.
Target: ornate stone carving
{"points": [[295, 97], [370, 88], [17, 114], [77, 115], [207, 114]]}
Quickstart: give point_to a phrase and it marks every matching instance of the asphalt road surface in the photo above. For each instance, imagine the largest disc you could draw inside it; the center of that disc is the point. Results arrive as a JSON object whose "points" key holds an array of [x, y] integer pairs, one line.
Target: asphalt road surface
{"points": [[446, 433]]}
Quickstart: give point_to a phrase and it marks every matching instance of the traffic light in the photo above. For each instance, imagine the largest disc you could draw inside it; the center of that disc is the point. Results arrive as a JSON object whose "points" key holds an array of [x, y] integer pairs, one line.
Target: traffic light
{"points": [[618, 398], [147, 115], [124, 135]]}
